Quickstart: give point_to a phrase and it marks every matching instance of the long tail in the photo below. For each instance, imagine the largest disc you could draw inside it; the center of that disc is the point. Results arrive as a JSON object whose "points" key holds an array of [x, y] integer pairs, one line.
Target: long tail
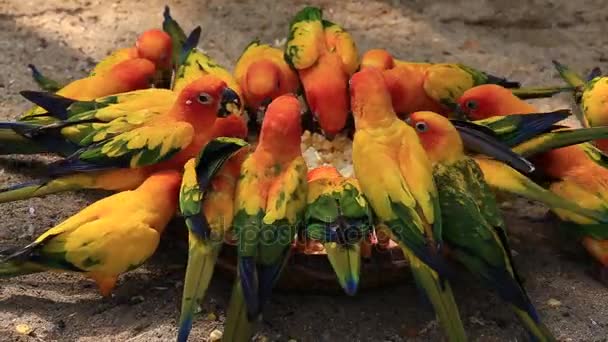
{"points": [[504, 178], [12, 268], [537, 330], [202, 256], [46, 187], [24, 138], [567, 137], [238, 327], [440, 294], [346, 262], [572, 78], [537, 93], [501, 81], [12, 142], [45, 83]]}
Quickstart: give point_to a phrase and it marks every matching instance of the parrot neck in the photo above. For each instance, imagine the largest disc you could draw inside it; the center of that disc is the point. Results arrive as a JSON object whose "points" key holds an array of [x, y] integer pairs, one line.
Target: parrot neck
{"points": [[283, 151], [445, 151]]}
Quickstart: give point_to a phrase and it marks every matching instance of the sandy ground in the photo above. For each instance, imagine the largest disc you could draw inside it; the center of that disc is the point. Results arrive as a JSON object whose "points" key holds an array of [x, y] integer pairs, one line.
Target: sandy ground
{"points": [[517, 39]]}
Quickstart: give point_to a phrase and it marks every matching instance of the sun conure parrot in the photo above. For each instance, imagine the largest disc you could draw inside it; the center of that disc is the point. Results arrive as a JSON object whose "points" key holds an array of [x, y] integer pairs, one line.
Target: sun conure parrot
{"points": [[263, 75], [578, 173], [111, 236], [206, 203], [591, 95], [270, 200], [434, 86], [396, 177], [473, 227], [126, 76], [196, 64], [338, 216], [325, 56], [119, 154], [153, 45]]}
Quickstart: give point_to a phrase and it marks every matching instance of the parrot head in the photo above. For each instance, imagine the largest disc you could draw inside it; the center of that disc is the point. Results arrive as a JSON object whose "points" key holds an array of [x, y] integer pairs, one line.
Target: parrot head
{"points": [[445, 142], [134, 74], [438, 136], [370, 99], [208, 94], [377, 58], [327, 94], [323, 172], [262, 83], [281, 129], [484, 101], [231, 126], [155, 45]]}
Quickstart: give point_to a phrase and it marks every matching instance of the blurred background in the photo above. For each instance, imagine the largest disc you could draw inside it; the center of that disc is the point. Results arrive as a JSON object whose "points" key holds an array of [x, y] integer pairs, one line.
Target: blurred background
{"points": [[516, 38]]}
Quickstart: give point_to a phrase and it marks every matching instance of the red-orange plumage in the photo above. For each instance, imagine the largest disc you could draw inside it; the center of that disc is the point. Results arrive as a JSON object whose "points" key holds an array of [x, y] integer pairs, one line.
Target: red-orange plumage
{"points": [[325, 86]]}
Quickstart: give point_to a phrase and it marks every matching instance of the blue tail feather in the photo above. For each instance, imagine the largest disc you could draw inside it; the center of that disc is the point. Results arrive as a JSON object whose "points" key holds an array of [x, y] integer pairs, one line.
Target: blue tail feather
{"points": [[248, 275]]}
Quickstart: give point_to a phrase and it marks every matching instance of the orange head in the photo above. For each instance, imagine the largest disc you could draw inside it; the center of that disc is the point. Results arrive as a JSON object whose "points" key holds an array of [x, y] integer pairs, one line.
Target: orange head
{"points": [[377, 58], [262, 83], [438, 136], [134, 73], [326, 88], [207, 98], [155, 45], [490, 100], [323, 172], [281, 129], [230, 126], [370, 99]]}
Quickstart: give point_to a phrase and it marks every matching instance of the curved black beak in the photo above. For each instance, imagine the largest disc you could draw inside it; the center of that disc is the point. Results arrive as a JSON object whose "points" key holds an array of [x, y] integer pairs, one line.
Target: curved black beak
{"points": [[480, 139], [230, 103]]}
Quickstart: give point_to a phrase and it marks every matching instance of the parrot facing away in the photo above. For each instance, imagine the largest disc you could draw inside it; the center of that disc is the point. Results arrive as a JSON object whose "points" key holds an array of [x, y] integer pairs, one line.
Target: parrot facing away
{"points": [[396, 177], [120, 153], [473, 227], [153, 45], [132, 74], [434, 86], [206, 202], [325, 56], [590, 95], [270, 200], [338, 216], [111, 236], [576, 172], [263, 75]]}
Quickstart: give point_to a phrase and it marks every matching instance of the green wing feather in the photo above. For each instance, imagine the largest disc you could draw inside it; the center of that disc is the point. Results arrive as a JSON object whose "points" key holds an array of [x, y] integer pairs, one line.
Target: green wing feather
{"points": [[204, 245]]}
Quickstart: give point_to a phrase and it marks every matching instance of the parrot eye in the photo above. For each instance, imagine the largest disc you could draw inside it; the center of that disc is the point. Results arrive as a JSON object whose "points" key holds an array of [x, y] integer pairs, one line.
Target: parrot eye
{"points": [[472, 105], [204, 98], [421, 126]]}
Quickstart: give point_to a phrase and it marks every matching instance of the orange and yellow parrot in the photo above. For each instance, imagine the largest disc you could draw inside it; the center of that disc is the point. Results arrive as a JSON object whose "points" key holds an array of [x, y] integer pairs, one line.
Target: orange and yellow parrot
{"points": [[325, 56], [473, 227], [578, 173], [396, 177], [263, 75], [118, 149], [111, 236], [434, 86], [339, 217], [206, 203], [269, 206], [591, 96]]}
